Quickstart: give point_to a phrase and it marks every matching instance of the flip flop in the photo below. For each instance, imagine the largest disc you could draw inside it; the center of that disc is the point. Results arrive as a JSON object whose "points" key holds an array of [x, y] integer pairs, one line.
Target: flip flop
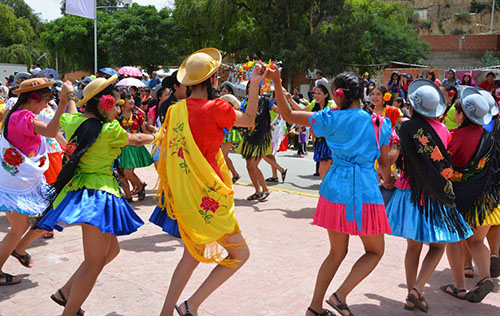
{"points": [[9, 279], [484, 287], [271, 179], [25, 260], [455, 292], [235, 179], [188, 313]]}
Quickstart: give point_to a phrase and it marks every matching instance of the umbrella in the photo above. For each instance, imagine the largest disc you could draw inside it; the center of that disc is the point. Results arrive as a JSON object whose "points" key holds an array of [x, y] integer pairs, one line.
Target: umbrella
{"points": [[130, 82], [108, 71], [130, 71], [49, 71]]}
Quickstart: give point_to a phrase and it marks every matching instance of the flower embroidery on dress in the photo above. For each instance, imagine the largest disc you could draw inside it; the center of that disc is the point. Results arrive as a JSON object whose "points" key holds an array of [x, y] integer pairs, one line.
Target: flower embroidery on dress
{"points": [[447, 173], [70, 148], [436, 154], [42, 161], [11, 160], [179, 144]]}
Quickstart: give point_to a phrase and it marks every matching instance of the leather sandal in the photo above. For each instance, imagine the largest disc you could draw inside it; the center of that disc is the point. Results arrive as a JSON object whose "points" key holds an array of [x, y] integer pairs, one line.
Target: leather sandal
{"points": [[326, 312], [469, 272], [188, 313], [454, 291], [9, 279], [25, 260], [63, 302], [340, 306], [484, 287], [418, 301]]}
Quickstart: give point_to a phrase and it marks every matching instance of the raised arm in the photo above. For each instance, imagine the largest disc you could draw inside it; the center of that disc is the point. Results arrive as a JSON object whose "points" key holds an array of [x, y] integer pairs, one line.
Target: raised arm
{"points": [[52, 128], [295, 106], [297, 117], [140, 139], [247, 119]]}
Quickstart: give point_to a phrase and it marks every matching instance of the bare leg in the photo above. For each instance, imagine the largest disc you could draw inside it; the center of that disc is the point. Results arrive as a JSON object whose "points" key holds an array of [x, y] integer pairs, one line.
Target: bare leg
{"points": [[28, 238], [412, 259], [219, 274], [338, 250], [271, 160], [467, 257], [134, 179], [324, 166], [374, 250], [256, 175], [114, 250], [455, 259], [180, 278], [18, 225], [479, 251], [225, 151], [96, 246], [429, 264], [494, 239]]}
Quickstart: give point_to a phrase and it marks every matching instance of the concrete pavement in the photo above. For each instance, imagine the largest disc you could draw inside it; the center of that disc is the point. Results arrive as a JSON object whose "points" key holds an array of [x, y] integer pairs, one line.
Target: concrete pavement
{"points": [[286, 252]]}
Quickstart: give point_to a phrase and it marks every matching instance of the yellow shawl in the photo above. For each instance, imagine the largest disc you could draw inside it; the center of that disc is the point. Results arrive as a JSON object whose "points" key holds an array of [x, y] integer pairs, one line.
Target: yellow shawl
{"points": [[192, 192]]}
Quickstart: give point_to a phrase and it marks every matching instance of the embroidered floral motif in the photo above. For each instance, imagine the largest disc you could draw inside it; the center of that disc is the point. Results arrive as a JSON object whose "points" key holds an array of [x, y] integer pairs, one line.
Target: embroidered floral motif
{"points": [[457, 176], [11, 160], [423, 140], [447, 173], [70, 148], [482, 163], [436, 154], [179, 144]]}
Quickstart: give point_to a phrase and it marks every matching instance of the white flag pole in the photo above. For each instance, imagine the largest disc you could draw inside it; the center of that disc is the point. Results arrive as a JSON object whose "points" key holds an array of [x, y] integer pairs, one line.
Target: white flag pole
{"points": [[95, 36]]}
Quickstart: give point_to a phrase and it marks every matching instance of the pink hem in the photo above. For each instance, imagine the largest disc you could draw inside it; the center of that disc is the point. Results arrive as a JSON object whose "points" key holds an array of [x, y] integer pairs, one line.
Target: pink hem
{"points": [[332, 216]]}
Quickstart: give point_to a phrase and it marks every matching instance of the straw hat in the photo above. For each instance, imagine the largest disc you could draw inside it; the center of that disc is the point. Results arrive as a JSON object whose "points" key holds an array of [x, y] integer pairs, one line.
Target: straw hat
{"points": [[33, 85], [94, 87], [199, 66], [475, 106], [426, 98], [232, 100]]}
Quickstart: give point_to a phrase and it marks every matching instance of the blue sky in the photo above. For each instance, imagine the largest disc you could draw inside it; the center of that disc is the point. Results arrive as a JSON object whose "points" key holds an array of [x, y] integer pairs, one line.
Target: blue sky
{"points": [[50, 9]]}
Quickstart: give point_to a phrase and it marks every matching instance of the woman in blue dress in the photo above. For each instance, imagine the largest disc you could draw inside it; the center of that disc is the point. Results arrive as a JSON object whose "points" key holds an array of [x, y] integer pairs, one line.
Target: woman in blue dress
{"points": [[350, 201]]}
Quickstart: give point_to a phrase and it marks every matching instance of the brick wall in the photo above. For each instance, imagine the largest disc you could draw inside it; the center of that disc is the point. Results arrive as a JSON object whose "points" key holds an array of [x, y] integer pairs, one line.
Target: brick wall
{"points": [[413, 71], [456, 43]]}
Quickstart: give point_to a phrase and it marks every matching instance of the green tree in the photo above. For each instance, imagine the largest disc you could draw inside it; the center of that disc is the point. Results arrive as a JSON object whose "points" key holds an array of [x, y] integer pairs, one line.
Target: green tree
{"points": [[142, 36], [16, 38], [21, 9]]}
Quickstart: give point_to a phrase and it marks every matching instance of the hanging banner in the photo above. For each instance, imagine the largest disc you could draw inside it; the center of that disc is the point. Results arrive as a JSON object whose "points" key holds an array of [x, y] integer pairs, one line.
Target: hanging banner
{"points": [[83, 8]]}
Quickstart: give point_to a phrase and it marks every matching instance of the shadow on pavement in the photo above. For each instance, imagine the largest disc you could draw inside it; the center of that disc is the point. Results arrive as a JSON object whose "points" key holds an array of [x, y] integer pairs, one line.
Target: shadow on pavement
{"points": [[114, 314], [309, 177], [313, 187], [149, 243], [306, 212], [7, 291]]}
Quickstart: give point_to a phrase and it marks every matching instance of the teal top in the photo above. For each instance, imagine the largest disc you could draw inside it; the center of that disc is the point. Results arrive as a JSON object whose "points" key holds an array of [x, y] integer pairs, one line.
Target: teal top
{"points": [[94, 170]]}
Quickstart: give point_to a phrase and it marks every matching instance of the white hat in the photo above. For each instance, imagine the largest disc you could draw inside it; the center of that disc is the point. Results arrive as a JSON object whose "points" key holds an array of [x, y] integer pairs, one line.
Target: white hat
{"points": [[426, 98], [475, 106]]}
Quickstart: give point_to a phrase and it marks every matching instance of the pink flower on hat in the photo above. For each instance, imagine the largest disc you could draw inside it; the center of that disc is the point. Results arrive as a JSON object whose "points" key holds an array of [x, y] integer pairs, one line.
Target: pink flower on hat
{"points": [[107, 102]]}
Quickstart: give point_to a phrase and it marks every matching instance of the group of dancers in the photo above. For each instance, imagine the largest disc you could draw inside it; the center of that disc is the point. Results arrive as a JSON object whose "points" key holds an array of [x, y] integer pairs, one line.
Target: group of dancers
{"points": [[446, 186]]}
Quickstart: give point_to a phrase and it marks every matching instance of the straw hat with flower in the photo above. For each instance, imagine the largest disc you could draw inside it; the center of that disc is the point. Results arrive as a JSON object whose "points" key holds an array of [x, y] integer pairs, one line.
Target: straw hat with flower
{"points": [[94, 87], [199, 66]]}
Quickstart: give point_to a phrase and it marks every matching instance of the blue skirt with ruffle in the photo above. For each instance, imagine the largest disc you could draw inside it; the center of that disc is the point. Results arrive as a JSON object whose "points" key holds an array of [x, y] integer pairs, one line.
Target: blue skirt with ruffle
{"points": [[168, 225], [109, 213], [321, 150], [406, 220]]}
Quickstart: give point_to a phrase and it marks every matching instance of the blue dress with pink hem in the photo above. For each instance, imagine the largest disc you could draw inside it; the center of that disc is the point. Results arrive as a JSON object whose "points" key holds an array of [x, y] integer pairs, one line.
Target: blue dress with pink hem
{"points": [[350, 199]]}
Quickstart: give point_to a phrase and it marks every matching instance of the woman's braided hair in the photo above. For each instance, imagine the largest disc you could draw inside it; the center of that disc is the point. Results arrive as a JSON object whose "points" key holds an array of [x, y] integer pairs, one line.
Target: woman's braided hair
{"points": [[352, 85]]}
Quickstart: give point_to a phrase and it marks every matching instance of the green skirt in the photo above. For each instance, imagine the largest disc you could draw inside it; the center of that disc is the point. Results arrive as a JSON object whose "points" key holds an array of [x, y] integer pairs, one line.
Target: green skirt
{"points": [[135, 157], [234, 137], [263, 149]]}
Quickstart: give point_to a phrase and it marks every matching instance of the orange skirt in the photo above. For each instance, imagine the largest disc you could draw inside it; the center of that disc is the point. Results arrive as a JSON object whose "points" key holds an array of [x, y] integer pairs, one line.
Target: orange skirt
{"points": [[55, 166]]}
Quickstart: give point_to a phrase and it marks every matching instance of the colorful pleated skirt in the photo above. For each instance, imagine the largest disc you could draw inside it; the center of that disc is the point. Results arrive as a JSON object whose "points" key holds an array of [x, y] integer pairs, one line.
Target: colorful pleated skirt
{"points": [[444, 226], [109, 213], [135, 157], [161, 219], [321, 150], [332, 216]]}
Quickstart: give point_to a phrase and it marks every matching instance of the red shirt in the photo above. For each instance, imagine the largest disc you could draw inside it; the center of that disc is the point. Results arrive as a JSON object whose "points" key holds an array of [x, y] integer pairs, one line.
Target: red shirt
{"points": [[207, 120], [464, 143], [488, 87]]}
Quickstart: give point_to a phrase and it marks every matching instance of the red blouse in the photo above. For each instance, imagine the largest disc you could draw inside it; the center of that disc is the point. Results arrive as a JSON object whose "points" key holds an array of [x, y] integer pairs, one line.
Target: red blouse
{"points": [[464, 143], [134, 122], [207, 120]]}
